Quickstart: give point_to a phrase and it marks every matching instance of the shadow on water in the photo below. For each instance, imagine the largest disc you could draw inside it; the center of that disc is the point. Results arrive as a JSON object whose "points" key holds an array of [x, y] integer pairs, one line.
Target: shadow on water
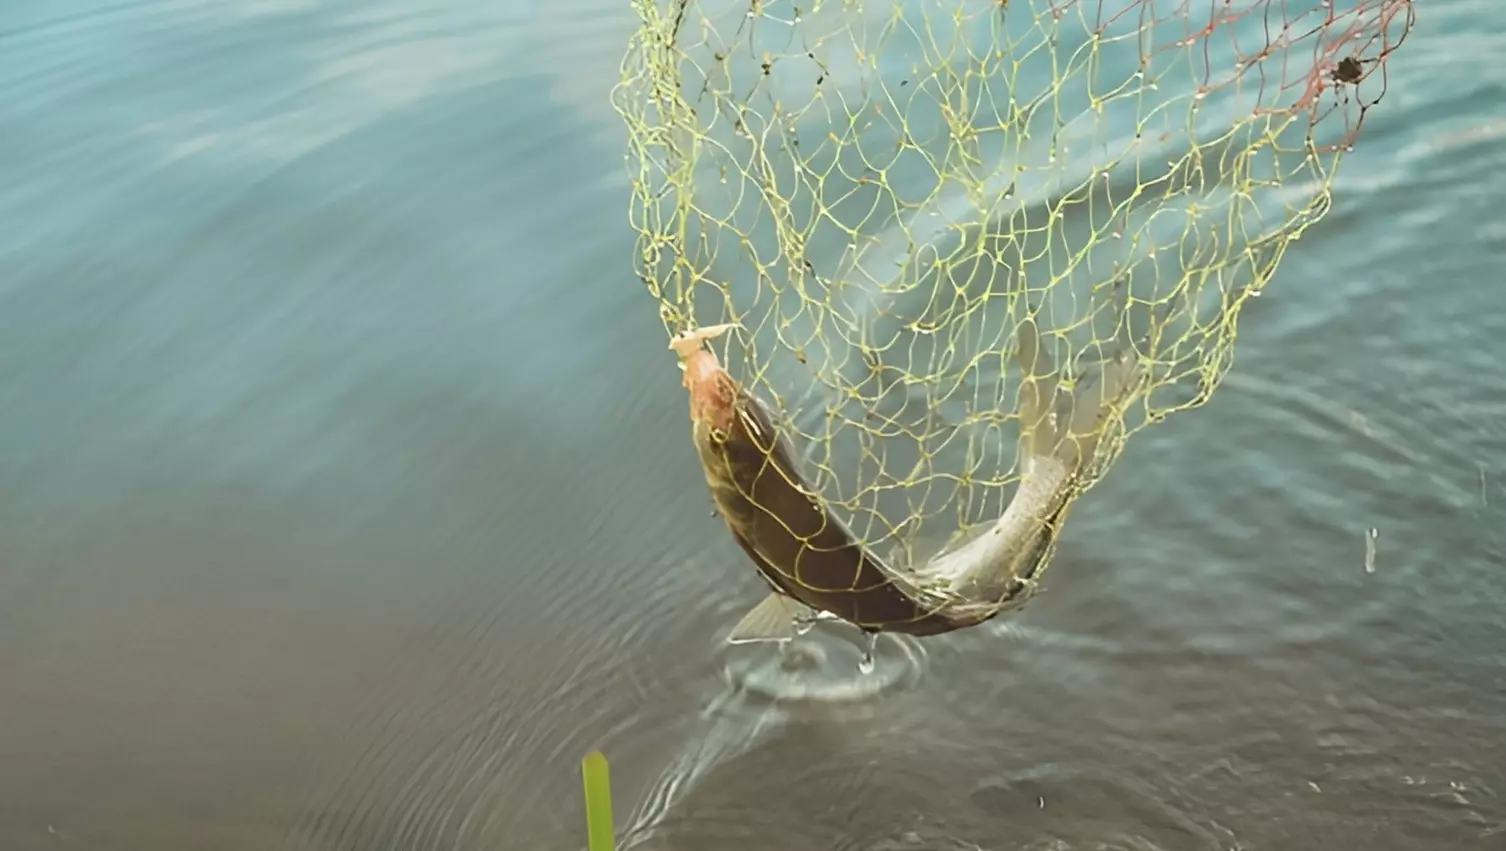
{"points": [[345, 499]]}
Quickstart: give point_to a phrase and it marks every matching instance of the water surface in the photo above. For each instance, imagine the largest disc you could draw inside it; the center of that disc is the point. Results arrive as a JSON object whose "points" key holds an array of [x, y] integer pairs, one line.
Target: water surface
{"points": [[346, 500]]}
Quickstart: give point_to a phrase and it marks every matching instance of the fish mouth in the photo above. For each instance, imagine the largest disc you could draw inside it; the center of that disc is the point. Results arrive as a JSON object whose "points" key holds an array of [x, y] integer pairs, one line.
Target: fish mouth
{"points": [[686, 343]]}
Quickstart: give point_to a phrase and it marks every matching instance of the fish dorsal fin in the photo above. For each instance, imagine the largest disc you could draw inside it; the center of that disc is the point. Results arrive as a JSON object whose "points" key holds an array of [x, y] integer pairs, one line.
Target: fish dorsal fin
{"points": [[773, 619]]}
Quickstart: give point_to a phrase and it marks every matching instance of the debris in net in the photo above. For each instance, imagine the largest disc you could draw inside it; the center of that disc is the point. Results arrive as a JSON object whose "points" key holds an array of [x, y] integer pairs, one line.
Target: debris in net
{"points": [[1370, 549]]}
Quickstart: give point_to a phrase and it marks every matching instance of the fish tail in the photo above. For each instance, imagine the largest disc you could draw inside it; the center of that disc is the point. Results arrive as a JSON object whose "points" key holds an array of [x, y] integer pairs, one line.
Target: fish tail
{"points": [[1072, 435], [1098, 397], [1039, 384]]}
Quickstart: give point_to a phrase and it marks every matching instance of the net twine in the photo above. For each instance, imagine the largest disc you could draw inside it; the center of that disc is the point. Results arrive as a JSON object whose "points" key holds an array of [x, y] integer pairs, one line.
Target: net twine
{"points": [[880, 193]]}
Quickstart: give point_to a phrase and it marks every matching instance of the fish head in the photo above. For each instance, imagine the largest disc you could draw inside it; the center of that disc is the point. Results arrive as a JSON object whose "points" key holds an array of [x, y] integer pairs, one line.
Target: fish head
{"points": [[713, 392], [713, 395]]}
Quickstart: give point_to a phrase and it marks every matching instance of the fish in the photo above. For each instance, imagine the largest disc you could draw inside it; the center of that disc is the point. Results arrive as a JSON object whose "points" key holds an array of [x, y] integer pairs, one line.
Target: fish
{"points": [[813, 563], [1061, 437], [817, 568]]}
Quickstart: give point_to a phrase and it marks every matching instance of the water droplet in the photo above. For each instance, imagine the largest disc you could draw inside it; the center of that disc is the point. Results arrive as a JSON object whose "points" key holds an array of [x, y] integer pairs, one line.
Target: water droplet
{"points": [[865, 664], [803, 624]]}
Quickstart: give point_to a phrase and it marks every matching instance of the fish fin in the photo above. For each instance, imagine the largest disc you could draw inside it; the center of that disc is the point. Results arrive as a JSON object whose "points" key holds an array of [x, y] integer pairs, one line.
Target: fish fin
{"points": [[1038, 391], [773, 619]]}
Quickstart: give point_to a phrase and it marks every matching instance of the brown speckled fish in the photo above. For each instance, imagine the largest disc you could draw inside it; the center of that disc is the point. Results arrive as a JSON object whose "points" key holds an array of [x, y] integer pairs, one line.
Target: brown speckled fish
{"points": [[812, 560]]}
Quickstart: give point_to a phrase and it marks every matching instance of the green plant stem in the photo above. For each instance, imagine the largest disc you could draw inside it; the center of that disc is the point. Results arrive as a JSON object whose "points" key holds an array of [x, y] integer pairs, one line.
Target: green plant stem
{"points": [[598, 782]]}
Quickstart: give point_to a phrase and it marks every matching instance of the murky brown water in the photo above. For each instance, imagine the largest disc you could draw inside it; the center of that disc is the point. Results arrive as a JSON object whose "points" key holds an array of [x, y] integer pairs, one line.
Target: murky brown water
{"points": [[346, 499]]}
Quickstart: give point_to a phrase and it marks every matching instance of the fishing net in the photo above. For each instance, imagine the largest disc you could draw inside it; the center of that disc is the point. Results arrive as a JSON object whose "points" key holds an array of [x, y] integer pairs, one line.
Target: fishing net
{"points": [[882, 192]]}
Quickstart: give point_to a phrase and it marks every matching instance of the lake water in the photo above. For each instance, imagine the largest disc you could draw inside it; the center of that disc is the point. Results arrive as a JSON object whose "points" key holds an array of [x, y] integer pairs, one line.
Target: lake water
{"points": [[346, 498]]}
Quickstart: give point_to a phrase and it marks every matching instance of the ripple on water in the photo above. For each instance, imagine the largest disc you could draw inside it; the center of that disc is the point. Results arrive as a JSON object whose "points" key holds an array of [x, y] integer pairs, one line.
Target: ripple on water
{"points": [[1253, 551], [1084, 806], [815, 678], [450, 752], [825, 665]]}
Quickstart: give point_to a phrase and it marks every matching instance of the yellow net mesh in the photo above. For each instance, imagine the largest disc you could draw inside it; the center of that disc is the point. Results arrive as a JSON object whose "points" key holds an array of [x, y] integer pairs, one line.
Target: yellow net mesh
{"points": [[880, 192]]}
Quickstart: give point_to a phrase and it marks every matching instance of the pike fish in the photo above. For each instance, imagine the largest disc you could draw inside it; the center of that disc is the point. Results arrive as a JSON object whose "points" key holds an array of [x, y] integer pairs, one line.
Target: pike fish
{"points": [[813, 563]]}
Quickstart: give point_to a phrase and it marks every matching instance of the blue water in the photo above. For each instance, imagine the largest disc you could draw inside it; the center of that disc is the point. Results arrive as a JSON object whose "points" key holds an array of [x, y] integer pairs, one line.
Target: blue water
{"points": [[346, 500]]}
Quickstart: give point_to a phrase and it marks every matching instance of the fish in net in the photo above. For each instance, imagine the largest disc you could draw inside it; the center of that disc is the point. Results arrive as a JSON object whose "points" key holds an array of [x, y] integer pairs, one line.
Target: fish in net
{"points": [[929, 264]]}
